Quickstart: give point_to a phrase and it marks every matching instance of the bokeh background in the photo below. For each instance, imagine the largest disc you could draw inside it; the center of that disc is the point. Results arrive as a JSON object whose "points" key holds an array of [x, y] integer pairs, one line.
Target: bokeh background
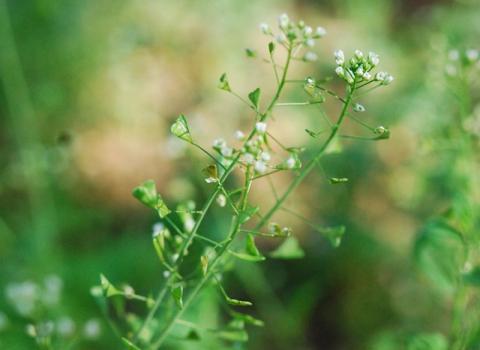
{"points": [[88, 91]]}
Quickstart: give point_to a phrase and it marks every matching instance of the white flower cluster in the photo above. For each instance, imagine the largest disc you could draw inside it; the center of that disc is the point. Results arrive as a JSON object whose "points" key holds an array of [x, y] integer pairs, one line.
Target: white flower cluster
{"points": [[360, 67], [295, 34], [464, 58], [254, 153]]}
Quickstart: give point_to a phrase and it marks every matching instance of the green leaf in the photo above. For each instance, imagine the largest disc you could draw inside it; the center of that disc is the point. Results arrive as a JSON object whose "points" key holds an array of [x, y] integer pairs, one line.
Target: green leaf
{"points": [[312, 133], [247, 214], [181, 130], [193, 335], [338, 180], [177, 294], [247, 319], [247, 257], [271, 47], [211, 173], [204, 264], [159, 245], [108, 289], [334, 234], [235, 335], [232, 301], [250, 53], [147, 194], [289, 249], [250, 246], [223, 84], [440, 252], [129, 344], [254, 97]]}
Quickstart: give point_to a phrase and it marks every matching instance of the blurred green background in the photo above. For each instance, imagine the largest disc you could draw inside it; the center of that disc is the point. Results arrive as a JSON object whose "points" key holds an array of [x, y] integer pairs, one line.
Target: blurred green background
{"points": [[88, 91]]}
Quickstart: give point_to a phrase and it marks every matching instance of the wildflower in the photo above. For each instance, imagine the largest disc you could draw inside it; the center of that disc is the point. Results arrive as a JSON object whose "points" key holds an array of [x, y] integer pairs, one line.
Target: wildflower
{"points": [[388, 79], [320, 32], [340, 72], [166, 273], [281, 38], [219, 143], [380, 76], [291, 162], [358, 107], [260, 166], [310, 42], [65, 326], [358, 54], [283, 21], [307, 31], [30, 330], [373, 59], [248, 158], [360, 72], [23, 296], [310, 56], [226, 151], [261, 127], [339, 57], [189, 224], [453, 55], [265, 156], [239, 135], [264, 27], [367, 76], [128, 291], [175, 257], [53, 288], [472, 55], [157, 228], [221, 200], [91, 329]]}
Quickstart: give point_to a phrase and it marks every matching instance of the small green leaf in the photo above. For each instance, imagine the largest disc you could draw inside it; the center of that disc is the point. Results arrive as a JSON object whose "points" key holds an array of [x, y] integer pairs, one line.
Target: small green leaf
{"points": [[108, 289], [193, 335], [250, 53], [248, 257], [250, 246], [290, 249], [129, 344], [159, 244], [177, 294], [247, 214], [254, 97], [181, 130], [232, 301], [247, 319], [146, 193], [334, 234], [204, 264], [338, 180], [211, 173], [239, 335], [271, 47], [312, 133], [223, 84]]}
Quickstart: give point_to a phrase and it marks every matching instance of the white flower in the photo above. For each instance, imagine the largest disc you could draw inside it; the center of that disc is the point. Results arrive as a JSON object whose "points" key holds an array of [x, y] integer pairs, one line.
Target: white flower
{"points": [[65, 326], [367, 76], [221, 200], [239, 135], [310, 42], [265, 28], [453, 55], [310, 56], [451, 70], [189, 224], [340, 72], [157, 228], [248, 158], [31, 330], [23, 296], [472, 55], [53, 288], [91, 329], [175, 257], [226, 151], [166, 274], [291, 162], [261, 127], [281, 38], [320, 32], [265, 156], [260, 166], [358, 107], [339, 57], [283, 21], [219, 143], [380, 76], [307, 31], [373, 58], [388, 79], [359, 72], [358, 54]]}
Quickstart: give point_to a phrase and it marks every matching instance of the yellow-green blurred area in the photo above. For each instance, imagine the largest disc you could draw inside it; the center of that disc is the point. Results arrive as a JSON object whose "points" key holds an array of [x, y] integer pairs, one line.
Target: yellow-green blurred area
{"points": [[88, 92]]}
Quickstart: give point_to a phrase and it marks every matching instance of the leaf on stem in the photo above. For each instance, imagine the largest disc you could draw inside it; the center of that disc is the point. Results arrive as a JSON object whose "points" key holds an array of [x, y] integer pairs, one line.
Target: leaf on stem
{"points": [[289, 249], [193, 335], [159, 244], [251, 248], [204, 264], [334, 234], [338, 180], [271, 47], [181, 130], [108, 289], [147, 194], [232, 301], [223, 84], [177, 294], [254, 97], [250, 53]]}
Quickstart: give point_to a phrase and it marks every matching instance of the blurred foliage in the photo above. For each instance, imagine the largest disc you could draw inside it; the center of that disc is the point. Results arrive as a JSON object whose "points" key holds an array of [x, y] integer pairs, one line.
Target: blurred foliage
{"points": [[87, 92]]}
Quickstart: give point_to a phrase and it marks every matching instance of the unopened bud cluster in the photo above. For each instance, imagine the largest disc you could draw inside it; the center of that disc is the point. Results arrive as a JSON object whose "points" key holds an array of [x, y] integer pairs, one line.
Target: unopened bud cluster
{"points": [[461, 59]]}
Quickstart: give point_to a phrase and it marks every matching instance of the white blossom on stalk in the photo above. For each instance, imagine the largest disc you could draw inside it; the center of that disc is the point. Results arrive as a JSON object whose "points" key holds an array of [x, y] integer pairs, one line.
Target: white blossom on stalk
{"points": [[320, 32], [261, 127], [339, 57], [219, 143], [260, 166], [221, 200], [373, 58], [265, 156], [307, 31], [310, 56], [472, 55], [291, 162], [248, 158], [239, 135], [283, 21], [91, 329], [265, 28]]}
